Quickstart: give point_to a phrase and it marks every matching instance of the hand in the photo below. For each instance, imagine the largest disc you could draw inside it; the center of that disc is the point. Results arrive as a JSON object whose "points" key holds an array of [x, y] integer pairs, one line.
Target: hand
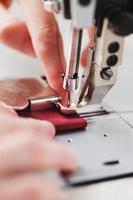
{"points": [[37, 36], [26, 149]]}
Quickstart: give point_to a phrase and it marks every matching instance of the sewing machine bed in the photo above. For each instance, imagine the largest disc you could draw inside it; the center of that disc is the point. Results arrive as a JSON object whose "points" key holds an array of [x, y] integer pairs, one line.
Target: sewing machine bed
{"points": [[104, 150]]}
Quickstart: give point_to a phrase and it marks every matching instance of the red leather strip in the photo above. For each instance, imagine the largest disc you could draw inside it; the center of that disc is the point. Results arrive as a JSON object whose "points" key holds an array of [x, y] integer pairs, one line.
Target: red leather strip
{"points": [[60, 121]]}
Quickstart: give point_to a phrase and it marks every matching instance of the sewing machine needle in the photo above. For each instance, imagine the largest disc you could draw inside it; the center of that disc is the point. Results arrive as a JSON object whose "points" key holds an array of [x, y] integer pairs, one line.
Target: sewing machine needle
{"points": [[71, 78]]}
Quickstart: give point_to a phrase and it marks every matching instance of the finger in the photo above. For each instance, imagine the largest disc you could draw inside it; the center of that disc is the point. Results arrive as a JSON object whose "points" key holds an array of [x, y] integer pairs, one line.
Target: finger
{"points": [[5, 110], [90, 45], [6, 3], [24, 153], [12, 125], [28, 187], [46, 40], [38, 127], [84, 57], [14, 33]]}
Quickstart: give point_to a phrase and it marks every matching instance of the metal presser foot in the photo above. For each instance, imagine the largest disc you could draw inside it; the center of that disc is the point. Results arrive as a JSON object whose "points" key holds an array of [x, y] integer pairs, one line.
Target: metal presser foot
{"points": [[30, 94]]}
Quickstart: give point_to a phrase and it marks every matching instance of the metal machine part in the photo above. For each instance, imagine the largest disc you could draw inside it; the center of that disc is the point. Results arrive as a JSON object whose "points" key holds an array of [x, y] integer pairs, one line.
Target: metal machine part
{"points": [[103, 59], [71, 78], [81, 12], [77, 11], [86, 75], [30, 94], [103, 62], [119, 13], [104, 150]]}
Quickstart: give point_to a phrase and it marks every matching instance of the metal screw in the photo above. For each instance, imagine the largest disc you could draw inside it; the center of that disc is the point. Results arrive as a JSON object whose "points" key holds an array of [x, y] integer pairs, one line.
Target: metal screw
{"points": [[106, 73], [70, 140]]}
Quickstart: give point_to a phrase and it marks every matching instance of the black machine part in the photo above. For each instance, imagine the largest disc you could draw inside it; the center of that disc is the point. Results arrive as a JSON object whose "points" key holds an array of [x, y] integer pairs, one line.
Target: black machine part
{"points": [[119, 13]]}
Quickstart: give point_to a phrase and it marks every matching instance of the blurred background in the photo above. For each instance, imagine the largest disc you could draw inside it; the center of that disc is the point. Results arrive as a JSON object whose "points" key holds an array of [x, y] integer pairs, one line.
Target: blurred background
{"points": [[15, 64]]}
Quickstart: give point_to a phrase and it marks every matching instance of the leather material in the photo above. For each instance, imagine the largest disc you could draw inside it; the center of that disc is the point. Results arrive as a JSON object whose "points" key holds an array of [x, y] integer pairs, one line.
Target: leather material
{"points": [[60, 121]]}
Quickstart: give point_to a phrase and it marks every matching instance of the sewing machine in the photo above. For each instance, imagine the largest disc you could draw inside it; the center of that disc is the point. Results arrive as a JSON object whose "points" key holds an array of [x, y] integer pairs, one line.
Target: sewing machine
{"points": [[111, 22], [104, 57], [105, 147]]}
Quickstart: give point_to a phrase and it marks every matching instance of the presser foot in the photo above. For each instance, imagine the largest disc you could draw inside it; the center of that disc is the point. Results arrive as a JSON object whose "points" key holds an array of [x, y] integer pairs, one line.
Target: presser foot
{"points": [[32, 94]]}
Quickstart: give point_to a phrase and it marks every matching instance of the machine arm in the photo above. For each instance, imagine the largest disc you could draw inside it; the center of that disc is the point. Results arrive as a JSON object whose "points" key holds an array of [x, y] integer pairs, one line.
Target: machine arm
{"points": [[112, 20]]}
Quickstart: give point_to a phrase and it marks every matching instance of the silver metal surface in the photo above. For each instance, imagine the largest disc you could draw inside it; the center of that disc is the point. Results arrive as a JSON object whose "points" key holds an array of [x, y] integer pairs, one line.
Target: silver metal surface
{"points": [[82, 16], [72, 70], [71, 77], [99, 75], [104, 149], [85, 79], [43, 103], [102, 75]]}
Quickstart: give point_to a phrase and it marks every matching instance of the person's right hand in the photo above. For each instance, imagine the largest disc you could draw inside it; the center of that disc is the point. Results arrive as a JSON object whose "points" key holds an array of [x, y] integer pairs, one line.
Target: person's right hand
{"points": [[38, 36], [26, 149]]}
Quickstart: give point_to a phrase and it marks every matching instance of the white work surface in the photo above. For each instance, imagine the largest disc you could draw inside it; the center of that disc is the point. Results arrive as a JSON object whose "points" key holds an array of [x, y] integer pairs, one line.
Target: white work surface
{"points": [[120, 98]]}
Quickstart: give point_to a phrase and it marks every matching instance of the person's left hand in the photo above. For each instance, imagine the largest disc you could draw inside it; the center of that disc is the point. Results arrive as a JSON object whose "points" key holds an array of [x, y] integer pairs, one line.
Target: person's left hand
{"points": [[27, 150]]}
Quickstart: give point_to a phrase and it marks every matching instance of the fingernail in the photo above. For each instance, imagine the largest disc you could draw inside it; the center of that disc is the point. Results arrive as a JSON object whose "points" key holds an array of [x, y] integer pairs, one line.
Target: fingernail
{"points": [[3, 104], [7, 109]]}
